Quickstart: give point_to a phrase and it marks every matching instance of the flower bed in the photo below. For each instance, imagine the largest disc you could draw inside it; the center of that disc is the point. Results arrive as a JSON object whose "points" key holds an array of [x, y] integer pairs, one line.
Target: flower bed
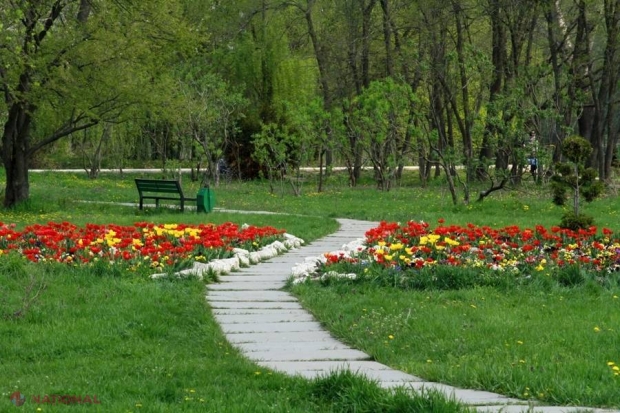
{"points": [[141, 246], [413, 254]]}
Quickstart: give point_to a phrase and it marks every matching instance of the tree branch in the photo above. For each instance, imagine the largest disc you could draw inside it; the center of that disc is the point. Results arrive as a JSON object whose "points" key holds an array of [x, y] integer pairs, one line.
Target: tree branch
{"points": [[493, 188], [49, 22], [67, 129]]}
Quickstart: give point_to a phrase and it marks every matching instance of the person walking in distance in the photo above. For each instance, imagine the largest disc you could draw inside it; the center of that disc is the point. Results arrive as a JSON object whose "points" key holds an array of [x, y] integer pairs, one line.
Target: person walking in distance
{"points": [[532, 159]]}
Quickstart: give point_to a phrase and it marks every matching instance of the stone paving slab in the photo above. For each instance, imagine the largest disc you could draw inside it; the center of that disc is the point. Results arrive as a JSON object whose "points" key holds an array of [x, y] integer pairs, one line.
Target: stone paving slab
{"points": [[353, 365], [251, 277], [264, 311], [288, 259], [371, 369], [301, 326], [397, 378], [280, 337], [246, 286], [309, 251], [464, 395], [262, 318], [249, 296], [255, 304], [539, 409], [307, 355], [385, 378], [295, 347], [257, 269]]}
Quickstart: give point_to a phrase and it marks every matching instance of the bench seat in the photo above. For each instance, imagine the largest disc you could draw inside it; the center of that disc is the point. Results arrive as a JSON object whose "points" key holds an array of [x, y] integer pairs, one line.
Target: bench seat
{"points": [[157, 189]]}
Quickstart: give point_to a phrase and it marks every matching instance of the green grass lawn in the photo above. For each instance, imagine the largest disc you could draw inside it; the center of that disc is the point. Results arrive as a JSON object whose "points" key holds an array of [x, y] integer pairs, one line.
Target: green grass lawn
{"points": [[137, 346], [153, 346], [551, 346]]}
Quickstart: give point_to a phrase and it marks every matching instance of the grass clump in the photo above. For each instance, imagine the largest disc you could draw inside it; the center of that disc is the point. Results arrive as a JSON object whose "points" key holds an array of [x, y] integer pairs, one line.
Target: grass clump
{"points": [[344, 391]]}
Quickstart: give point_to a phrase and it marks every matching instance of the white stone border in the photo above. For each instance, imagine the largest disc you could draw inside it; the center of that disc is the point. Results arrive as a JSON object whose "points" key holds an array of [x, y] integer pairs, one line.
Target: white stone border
{"points": [[308, 269], [241, 258]]}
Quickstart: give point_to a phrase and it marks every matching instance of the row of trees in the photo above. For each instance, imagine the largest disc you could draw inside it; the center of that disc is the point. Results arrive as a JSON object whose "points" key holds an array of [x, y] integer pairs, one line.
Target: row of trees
{"points": [[276, 84]]}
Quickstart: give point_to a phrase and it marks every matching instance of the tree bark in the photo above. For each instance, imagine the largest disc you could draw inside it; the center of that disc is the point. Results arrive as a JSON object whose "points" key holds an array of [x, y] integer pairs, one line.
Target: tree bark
{"points": [[15, 154], [387, 38]]}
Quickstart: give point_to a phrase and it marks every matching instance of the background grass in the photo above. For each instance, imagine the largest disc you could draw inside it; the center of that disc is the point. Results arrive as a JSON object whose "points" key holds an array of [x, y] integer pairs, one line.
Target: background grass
{"points": [[55, 195]]}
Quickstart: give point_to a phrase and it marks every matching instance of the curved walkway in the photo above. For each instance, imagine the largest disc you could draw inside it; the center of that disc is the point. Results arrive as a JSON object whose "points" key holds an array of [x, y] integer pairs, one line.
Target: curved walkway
{"points": [[271, 328]]}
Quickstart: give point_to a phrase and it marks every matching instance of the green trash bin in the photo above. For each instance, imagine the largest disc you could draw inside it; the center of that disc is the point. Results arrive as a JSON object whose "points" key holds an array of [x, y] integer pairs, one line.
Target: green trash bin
{"points": [[205, 200]]}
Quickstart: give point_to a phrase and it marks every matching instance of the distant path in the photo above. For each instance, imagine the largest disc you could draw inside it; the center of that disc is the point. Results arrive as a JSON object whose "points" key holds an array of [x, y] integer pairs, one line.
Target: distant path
{"points": [[184, 170]]}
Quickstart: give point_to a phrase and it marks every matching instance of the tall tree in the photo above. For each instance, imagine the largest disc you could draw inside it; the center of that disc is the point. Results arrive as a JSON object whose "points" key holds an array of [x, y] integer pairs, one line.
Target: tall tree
{"points": [[65, 68]]}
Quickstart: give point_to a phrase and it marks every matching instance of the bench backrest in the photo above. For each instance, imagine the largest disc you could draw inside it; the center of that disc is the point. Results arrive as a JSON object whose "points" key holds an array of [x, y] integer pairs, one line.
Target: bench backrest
{"points": [[159, 185]]}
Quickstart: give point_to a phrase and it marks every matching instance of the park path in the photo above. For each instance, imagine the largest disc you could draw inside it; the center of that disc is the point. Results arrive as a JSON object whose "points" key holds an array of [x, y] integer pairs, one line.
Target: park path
{"points": [[271, 328]]}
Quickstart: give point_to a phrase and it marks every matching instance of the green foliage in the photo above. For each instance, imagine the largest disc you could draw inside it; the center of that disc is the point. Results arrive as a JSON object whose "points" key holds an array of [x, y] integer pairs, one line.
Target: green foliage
{"points": [[271, 152], [558, 191], [446, 277], [576, 149], [575, 178], [382, 117], [441, 277], [209, 114], [66, 69], [570, 276], [576, 221]]}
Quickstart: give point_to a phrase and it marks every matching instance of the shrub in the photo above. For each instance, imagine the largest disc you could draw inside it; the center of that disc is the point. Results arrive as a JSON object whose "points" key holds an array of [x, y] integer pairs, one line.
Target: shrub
{"points": [[575, 222], [574, 177]]}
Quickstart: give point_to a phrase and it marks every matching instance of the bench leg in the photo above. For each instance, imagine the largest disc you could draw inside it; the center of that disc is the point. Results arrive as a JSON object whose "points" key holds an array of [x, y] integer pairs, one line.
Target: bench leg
{"points": [[141, 200]]}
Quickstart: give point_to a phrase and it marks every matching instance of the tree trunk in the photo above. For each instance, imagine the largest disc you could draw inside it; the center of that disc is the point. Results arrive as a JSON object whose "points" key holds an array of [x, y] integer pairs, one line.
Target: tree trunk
{"points": [[498, 40], [387, 38], [84, 11], [320, 188], [321, 59], [15, 154]]}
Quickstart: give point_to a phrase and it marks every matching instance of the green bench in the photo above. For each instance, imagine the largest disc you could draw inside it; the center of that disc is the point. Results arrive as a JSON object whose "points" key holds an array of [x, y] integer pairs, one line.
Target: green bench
{"points": [[161, 189]]}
